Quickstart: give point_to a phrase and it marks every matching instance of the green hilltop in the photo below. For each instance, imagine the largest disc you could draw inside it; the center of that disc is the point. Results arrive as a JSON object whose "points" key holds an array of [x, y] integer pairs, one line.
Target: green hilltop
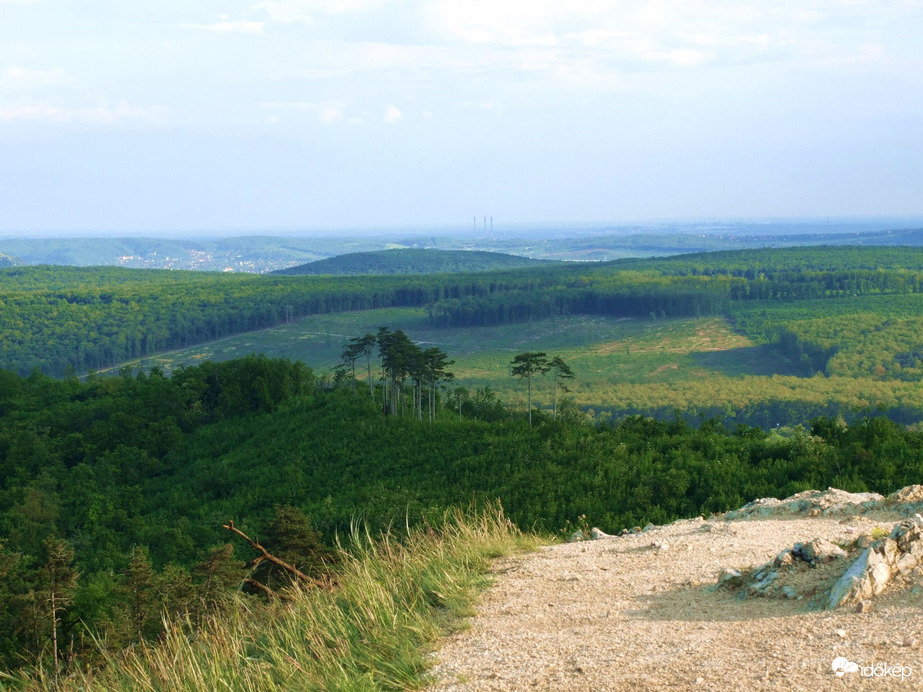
{"points": [[412, 261]]}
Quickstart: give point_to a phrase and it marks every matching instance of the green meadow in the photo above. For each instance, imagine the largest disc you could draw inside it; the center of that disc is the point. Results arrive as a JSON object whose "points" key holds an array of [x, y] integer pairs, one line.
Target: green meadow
{"points": [[621, 364], [599, 348]]}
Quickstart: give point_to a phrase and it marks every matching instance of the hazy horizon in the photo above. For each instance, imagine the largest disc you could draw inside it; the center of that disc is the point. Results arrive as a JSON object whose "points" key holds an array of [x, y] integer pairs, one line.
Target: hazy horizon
{"points": [[777, 226], [291, 116]]}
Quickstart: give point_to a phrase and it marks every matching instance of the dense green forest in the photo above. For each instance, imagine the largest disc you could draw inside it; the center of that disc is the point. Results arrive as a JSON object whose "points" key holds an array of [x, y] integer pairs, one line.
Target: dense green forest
{"points": [[58, 319], [114, 491]]}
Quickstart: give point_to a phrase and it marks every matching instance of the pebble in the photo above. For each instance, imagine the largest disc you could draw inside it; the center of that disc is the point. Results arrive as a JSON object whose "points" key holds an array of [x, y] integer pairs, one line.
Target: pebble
{"points": [[841, 634]]}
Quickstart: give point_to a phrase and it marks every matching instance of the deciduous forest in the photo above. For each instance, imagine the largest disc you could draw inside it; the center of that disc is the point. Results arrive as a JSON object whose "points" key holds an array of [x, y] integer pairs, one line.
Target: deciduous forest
{"points": [[114, 492], [117, 493], [61, 319]]}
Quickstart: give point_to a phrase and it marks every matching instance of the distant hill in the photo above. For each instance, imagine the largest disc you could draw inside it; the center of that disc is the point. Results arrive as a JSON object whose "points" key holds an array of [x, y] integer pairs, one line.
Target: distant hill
{"points": [[254, 254], [413, 261], [260, 254], [6, 261]]}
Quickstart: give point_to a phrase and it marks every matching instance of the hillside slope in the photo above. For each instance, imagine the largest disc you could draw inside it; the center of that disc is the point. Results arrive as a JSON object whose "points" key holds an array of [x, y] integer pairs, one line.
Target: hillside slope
{"points": [[642, 611], [412, 261]]}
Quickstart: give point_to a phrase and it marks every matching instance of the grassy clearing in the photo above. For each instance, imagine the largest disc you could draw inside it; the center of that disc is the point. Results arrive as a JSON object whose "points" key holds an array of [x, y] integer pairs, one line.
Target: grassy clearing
{"points": [[611, 357], [372, 631], [600, 348], [620, 364]]}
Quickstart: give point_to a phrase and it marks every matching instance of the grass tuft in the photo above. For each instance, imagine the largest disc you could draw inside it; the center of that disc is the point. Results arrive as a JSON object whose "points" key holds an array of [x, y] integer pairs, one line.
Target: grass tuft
{"points": [[372, 631]]}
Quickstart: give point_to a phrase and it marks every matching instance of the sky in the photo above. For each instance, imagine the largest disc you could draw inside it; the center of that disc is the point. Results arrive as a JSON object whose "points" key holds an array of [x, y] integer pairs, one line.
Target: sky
{"points": [[228, 116]]}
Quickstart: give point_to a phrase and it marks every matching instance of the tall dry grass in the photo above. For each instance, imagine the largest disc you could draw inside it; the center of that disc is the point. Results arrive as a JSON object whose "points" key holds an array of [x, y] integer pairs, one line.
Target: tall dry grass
{"points": [[393, 598]]}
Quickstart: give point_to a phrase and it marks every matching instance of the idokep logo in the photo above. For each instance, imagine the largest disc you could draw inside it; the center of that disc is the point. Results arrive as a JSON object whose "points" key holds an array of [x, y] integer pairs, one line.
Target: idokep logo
{"points": [[842, 665]]}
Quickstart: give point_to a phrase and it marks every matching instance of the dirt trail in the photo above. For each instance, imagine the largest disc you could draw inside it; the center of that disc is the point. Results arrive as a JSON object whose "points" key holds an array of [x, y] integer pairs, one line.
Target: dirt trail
{"points": [[620, 614]]}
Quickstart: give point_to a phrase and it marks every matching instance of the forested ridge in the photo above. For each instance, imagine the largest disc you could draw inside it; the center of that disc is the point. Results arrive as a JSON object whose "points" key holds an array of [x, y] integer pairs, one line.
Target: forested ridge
{"points": [[62, 318], [411, 261], [124, 483]]}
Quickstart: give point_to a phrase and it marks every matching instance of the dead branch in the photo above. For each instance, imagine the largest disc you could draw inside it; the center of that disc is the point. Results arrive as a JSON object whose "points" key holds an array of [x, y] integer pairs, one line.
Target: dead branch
{"points": [[272, 558], [262, 587]]}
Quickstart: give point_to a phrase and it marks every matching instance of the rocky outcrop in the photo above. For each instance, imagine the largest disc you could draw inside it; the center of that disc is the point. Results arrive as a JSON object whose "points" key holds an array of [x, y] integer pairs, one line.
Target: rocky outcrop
{"points": [[884, 561], [831, 502], [820, 569], [778, 576], [817, 551], [593, 534], [809, 503], [911, 495]]}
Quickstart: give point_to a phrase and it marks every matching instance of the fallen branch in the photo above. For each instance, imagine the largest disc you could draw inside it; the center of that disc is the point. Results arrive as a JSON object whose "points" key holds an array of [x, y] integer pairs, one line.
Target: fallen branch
{"points": [[262, 587], [266, 555]]}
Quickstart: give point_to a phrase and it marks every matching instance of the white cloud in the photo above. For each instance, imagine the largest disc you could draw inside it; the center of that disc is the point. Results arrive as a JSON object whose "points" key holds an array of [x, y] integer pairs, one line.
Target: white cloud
{"points": [[346, 6], [229, 26], [352, 6], [484, 106], [628, 34], [22, 78], [329, 114], [101, 115], [304, 11], [286, 12], [393, 115]]}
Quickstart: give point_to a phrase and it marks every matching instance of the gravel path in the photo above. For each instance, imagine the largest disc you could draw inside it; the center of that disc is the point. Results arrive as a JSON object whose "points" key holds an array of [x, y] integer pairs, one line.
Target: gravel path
{"points": [[620, 614]]}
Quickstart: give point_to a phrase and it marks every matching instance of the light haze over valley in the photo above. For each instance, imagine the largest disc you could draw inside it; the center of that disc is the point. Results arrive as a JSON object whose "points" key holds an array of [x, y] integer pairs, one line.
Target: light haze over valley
{"points": [[232, 117]]}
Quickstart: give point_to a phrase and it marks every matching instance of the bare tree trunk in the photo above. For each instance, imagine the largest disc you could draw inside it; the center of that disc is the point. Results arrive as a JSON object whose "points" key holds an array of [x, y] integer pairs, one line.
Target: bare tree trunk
{"points": [[262, 587], [554, 415], [530, 401], [368, 365], [54, 633]]}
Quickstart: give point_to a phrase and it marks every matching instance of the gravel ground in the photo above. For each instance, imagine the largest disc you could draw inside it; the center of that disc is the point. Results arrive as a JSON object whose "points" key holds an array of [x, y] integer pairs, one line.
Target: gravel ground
{"points": [[620, 614]]}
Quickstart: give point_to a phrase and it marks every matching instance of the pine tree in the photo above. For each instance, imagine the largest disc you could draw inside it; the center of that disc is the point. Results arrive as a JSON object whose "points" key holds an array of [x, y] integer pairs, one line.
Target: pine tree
{"points": [[560, 371], [526, 366]]}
